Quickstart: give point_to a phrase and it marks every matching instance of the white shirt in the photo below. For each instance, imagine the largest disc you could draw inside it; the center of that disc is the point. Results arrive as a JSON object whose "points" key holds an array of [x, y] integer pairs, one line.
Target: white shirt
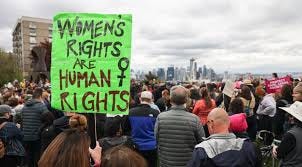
{"points": [[267, 106]]}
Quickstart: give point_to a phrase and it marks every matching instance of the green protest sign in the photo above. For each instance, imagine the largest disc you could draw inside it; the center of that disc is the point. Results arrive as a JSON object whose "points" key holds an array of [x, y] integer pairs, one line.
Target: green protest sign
{"points": [[90, 63]]}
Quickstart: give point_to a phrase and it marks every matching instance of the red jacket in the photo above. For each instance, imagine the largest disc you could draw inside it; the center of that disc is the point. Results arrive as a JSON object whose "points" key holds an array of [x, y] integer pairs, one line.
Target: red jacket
{"points": [[202, 111]]}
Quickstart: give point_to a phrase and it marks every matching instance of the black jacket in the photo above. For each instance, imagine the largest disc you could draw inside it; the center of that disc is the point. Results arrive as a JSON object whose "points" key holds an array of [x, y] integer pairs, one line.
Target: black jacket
{"points": [[109, 142], [50, 132]]}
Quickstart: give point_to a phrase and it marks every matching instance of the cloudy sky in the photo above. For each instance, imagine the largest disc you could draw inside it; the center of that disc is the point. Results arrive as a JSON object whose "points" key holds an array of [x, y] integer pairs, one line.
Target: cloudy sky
{"points": [[234, 35]]}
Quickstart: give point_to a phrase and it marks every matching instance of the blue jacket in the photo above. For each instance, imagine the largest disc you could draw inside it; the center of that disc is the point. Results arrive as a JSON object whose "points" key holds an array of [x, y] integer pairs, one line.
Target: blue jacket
{"points": [[142, 120], [224, 151], [12, 137], [31, 119]]}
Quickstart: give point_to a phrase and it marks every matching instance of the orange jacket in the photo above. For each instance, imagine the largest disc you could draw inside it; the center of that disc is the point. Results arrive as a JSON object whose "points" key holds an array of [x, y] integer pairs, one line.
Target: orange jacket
{"points": [[202, 111]]}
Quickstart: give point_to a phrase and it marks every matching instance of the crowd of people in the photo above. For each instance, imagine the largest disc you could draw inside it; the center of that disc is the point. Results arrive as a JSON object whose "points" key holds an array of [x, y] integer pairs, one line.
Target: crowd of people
{"points": [[169, 125]]}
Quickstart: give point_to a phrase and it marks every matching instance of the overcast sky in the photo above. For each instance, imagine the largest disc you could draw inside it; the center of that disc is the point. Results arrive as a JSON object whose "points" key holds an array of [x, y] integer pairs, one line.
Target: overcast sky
{"points": [[233, 35]]}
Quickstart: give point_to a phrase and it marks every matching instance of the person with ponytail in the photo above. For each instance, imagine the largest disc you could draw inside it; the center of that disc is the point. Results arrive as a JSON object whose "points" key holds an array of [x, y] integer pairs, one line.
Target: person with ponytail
{"points": [[203, 107], [71, 147]]}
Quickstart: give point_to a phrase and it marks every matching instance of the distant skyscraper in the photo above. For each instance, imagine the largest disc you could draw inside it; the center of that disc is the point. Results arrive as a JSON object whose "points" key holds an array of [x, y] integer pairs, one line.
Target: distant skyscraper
{"points": [[199, 73], [161, 74], [170, 73], [154, 71], [200, 70], [195, 71], [182, 74], [211, 74], [176, 74], [204, 72], [192, 69], [226, 75]]}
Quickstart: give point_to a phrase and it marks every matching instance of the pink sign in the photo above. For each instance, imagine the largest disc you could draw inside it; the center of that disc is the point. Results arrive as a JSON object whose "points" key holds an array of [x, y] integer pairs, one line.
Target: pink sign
{"points": [[275, 85]]}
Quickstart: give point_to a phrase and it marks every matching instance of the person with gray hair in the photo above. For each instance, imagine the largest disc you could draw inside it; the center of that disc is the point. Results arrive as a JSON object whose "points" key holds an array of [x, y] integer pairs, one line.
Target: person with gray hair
{"points": [[142, 121], [177, 131]]}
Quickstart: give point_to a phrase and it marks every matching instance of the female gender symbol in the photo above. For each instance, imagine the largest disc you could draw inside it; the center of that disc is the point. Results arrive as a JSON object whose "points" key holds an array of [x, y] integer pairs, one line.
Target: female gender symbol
{"points": [[123, 69]]}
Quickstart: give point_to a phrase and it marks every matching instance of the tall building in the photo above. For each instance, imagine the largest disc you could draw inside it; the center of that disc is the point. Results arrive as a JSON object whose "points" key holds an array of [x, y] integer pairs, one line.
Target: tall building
{"points": [[182, 74], [195, 71], [28, 33], [161, 74], [191, 75], [199, 73], [154, 71], [226, 75], [170, 73], [204, 72], [211, 75], [176, 74]]}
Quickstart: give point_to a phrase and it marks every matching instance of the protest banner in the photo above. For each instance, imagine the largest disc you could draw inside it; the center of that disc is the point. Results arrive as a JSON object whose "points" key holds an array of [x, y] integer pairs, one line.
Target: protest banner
{"points": [[90, 64], [275, 85], [228, 88]]}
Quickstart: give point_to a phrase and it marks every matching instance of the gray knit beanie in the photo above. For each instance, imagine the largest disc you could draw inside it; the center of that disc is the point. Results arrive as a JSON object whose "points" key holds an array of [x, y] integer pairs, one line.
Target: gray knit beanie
{"points": [[4, 109]]}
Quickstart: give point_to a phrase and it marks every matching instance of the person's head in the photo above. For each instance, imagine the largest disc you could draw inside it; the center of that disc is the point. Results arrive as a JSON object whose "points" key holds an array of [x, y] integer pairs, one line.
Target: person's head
{"points": [[218, 121], [69, 148], [45, 95], [47, 118], [211, 87], [248, 83], [255, 83], [13, 102], [236, 106], [166, 94], [295, 82], [5, 111], [274, 75], [113, 126], [122, 156], [246, 92], [204, 93], [146, 97], [297, 92], [259, 91], [295, 110], [203, 85], [29, 92], [7, 95], [287, 92], [37, 94], [178, 95], [194, 94]]}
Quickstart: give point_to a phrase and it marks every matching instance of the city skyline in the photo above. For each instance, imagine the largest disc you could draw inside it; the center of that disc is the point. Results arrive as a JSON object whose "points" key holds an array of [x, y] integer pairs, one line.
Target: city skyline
{"points": [[235, 36], [172, 73]]}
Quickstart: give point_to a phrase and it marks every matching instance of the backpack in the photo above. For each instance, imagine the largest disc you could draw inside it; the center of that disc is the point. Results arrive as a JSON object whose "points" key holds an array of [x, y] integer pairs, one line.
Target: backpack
{"points": [[247, 109]]}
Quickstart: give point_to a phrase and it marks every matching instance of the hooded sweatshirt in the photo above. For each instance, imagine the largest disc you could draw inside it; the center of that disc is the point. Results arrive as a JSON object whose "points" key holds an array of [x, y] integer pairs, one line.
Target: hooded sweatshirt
{"points": [[224, 150]]}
